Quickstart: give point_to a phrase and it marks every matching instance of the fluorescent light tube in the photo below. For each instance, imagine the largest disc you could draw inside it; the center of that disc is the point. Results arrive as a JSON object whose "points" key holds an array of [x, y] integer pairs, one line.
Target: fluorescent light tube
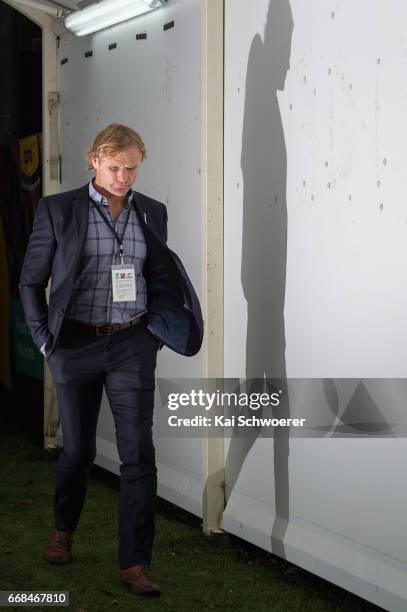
{"points": [[107, 13]]}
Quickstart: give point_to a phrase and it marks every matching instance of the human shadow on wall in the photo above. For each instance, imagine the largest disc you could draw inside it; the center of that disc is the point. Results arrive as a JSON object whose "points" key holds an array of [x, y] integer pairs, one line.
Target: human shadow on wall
{"points": [[264, 252]]}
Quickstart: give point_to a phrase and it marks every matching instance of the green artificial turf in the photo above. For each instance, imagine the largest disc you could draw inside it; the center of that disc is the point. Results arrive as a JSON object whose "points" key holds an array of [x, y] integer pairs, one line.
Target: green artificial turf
{"points": [[195, 572]]}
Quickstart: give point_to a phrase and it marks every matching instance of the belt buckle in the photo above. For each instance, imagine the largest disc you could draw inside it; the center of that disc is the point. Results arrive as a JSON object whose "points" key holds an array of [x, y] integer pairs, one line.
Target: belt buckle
{"points": [[112, 328], [106, 333]]}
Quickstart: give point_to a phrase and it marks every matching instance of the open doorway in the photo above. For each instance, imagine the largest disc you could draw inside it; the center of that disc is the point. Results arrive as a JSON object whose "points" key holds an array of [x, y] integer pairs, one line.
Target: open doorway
{"points": [[21, 368]]}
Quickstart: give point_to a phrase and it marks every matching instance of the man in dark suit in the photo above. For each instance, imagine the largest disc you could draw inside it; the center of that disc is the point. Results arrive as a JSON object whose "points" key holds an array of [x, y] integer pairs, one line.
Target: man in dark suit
{"points": [[118, 293]]}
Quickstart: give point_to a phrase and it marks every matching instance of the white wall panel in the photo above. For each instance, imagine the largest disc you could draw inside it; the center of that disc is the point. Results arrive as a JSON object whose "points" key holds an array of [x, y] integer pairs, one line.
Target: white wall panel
{"points": [[152, 85], [315, 250]]}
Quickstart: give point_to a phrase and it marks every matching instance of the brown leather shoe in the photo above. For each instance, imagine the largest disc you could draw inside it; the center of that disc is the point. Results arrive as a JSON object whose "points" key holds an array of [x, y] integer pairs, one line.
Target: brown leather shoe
{"points": [[58, 549], [139, 581]]}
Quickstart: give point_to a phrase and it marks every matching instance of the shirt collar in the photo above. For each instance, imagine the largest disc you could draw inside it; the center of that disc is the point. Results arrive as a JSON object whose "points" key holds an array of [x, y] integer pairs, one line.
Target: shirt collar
{"points": [[100, 199]]}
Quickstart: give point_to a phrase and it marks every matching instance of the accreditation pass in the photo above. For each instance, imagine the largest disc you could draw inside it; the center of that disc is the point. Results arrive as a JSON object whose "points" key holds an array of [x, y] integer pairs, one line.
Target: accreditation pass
{"points": [[124, 283]]}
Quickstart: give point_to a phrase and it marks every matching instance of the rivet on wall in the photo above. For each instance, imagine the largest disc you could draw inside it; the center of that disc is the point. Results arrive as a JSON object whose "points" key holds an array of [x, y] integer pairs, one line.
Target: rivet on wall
{"points": [[326, 164], [378, 61], [237, 185], [305, 78], [329, 70], [350, 85], [291, 107], [275, 199], [333, 14], [329, 185], [314, 92], [312, 197], [381, 206], [378, 183], [350, 197], [304, 183], [384, 161]]}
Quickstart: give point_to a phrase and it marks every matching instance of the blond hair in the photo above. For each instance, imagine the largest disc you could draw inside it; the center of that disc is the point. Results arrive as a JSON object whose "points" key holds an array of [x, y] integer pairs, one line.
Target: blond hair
{"points": [[113, 139]]}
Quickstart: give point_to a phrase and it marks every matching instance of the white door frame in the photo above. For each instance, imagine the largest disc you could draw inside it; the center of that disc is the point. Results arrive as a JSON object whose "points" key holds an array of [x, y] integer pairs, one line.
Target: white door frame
{"points": [[212, 257]]}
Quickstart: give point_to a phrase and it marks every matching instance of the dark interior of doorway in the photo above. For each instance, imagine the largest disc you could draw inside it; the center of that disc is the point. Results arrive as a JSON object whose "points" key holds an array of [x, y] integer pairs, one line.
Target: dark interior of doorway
{"points": [[21, 395]]}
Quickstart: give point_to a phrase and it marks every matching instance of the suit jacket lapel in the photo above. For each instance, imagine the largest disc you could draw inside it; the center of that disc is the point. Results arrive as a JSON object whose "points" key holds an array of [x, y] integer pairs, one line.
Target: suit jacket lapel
{"points": [[147, 221], [81, 216], [140, 210]]}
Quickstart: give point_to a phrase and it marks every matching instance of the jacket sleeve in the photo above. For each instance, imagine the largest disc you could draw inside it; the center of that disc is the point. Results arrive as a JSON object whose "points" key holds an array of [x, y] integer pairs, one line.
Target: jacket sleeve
{"points": [[35, 275]]}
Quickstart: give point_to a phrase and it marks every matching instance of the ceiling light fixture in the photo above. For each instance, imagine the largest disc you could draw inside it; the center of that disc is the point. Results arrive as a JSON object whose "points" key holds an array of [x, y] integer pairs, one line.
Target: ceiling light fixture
{"points": [[107, 13]]}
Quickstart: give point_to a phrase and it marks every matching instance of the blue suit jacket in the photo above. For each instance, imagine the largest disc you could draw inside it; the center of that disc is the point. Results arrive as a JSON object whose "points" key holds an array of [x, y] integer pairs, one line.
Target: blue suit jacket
{"points": [[54, 250]]}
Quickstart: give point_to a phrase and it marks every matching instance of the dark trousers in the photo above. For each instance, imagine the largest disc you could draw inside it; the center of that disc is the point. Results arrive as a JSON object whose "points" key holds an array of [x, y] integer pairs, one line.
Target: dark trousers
{"points": [[124, 364]]}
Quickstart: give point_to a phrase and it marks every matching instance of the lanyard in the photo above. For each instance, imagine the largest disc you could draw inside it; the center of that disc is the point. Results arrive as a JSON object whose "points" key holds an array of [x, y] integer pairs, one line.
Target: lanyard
{"points": [[119, 239]]}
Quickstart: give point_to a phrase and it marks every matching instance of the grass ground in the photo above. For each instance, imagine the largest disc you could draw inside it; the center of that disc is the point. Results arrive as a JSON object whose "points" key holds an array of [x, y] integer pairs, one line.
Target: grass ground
{"points": [[195, 572]]}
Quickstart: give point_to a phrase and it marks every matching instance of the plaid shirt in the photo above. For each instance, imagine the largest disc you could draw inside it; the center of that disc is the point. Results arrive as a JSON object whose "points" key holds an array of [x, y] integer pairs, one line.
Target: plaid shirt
{"points": [[92, 300]]}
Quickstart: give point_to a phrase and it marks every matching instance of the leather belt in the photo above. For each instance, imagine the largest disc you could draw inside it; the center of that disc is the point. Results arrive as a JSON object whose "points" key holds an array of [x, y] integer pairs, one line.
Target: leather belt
{"points": [[101, 330]]}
